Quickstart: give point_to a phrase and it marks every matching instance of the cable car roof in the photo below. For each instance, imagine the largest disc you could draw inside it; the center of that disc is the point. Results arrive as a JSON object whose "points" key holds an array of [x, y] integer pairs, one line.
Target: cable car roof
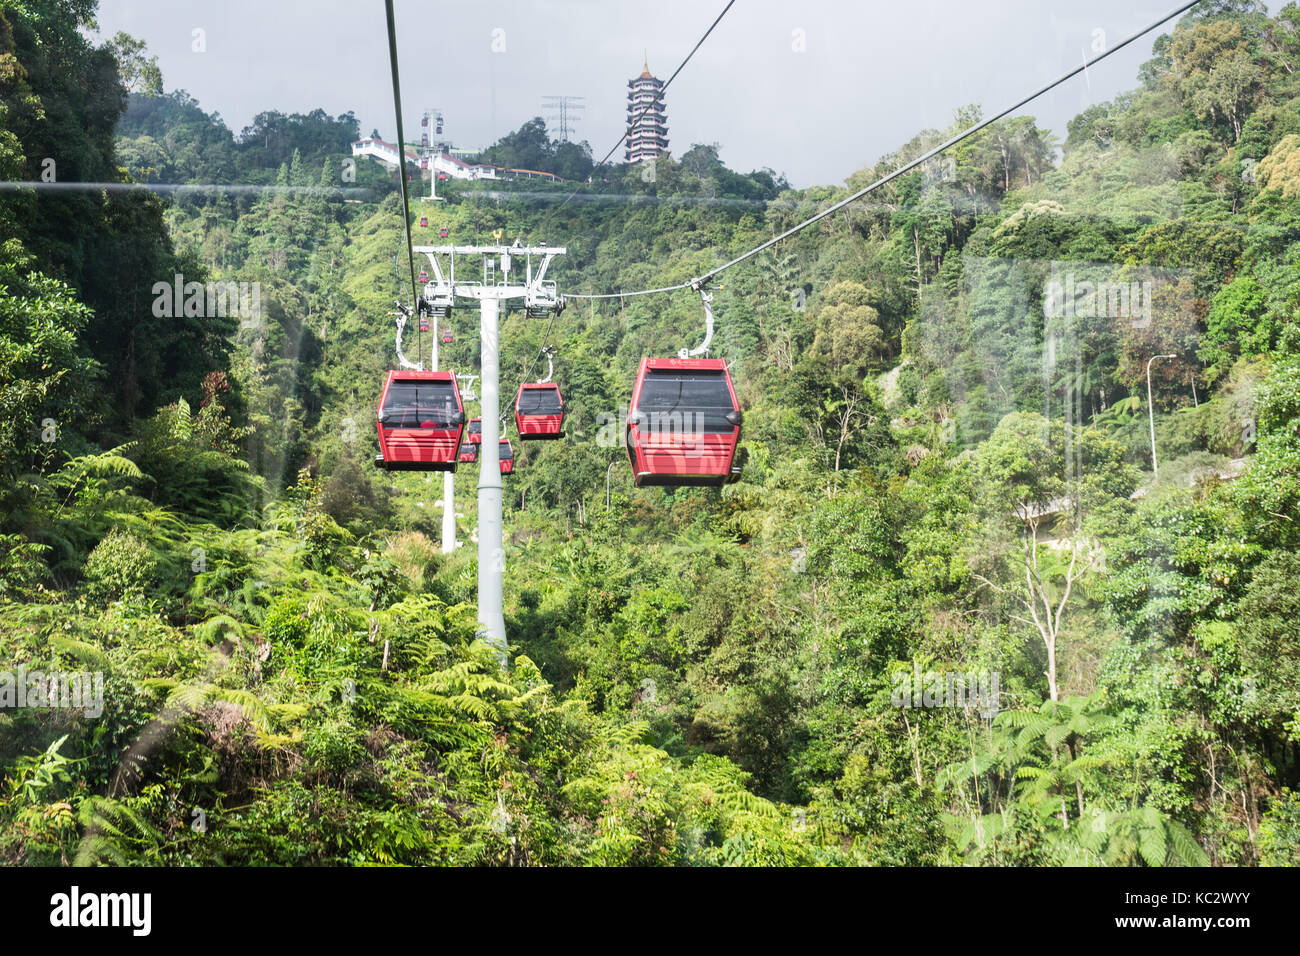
{"points": [[710, 364]]}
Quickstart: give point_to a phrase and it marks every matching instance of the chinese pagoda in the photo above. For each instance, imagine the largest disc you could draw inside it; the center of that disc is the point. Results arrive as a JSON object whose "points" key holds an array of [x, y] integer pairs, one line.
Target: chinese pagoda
{"points": [[647, 127]]}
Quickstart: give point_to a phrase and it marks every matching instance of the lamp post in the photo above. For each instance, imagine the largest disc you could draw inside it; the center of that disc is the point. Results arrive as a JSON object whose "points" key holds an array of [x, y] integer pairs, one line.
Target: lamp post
{"points": [[1151, 417]]}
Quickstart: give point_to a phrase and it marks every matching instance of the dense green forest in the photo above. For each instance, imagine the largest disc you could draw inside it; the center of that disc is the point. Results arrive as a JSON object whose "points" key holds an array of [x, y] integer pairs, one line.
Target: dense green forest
{"points": [[949, 614]]}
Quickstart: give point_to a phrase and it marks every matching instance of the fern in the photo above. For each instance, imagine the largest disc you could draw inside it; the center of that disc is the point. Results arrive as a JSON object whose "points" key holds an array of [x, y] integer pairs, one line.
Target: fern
{"points": [[215, 628], [116, 833], [1184, 845], [1152, 842], [83, 652]]}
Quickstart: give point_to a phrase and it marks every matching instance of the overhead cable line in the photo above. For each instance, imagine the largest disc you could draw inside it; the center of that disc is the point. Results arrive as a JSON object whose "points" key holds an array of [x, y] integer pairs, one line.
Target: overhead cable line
{"points": [[701, 281], [401, 147], [232, 189], [620, 295]]}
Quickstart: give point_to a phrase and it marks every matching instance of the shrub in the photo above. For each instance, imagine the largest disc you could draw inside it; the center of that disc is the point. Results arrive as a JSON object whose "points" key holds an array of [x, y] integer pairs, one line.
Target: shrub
{"points": [[1279, 832], [120, 565]]}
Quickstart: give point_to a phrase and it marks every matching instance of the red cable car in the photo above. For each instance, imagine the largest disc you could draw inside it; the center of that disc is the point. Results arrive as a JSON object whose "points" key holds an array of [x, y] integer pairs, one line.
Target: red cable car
{"points": [[420, 420], [444, 232], [539, 411], [424, 323], [424, 222], [423, 277], [468, 453], [474, 430], [446, 337], [683, 425], [505, 456]]}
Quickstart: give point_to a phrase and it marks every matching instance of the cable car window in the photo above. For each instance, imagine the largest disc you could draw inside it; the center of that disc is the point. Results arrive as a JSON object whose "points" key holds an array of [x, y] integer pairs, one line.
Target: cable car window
{"points": [[701, 399], [505, 452], [411, 404], [540, 401]]}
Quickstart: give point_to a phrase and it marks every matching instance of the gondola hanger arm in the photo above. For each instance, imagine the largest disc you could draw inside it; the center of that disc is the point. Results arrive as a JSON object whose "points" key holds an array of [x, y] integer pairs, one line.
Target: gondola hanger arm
{"points": [[401, 314], [706, 296]]}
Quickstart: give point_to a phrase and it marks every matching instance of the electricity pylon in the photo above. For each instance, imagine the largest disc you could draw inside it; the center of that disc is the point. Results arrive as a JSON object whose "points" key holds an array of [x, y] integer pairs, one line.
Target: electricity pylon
{"points": [[559, 108]]}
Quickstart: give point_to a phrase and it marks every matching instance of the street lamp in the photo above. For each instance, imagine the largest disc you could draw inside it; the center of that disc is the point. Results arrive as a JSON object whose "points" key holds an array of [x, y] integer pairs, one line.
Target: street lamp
{"points": [[1151, 417]]}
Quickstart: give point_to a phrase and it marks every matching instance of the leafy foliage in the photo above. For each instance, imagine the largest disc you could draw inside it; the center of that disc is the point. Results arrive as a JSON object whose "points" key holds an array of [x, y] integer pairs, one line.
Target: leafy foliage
{"points": [[945, 481]]}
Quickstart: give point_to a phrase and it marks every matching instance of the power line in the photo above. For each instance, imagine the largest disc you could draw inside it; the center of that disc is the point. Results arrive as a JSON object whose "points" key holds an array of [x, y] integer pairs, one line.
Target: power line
{"points": [[401, 147], [703, 280]]}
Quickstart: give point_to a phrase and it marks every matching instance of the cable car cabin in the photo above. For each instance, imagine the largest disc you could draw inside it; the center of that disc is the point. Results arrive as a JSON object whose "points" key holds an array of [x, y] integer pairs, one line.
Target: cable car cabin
{"points": [[468, 453], [421, 420], [444, 232], [424, 323], [505, 456], [683, 426], [539, 411], [446, 337], [424, 222], [423, 277], [474, 430]]}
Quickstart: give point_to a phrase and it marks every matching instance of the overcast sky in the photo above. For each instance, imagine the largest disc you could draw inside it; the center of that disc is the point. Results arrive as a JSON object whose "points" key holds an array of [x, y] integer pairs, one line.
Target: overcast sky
{"points": [[870, 76]]}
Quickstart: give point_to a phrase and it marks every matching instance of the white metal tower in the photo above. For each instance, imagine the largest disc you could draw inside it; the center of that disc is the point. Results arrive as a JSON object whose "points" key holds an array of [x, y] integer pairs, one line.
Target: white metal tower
{"points": [[431, 147], [540, 298]]}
